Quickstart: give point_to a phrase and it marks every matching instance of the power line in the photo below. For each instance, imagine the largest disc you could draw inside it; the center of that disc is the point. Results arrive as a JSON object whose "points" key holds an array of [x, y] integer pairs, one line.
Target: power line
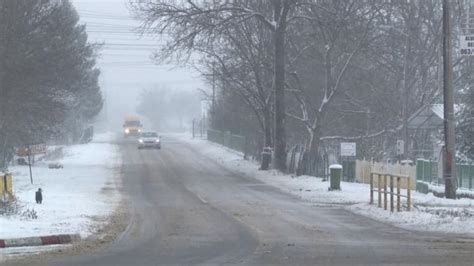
{"points": [[133, 45], [105, 16], [93, 12]]}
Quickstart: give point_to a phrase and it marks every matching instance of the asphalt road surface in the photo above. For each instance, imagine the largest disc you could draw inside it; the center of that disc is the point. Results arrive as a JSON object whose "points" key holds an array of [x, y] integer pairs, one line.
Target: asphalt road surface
{"points": [[187, 209]]}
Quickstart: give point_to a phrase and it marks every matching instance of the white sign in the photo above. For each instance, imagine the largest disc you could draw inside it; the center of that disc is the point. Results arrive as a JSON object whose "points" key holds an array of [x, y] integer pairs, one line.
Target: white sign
{"points": [[348, 149], [467, 45], [400, 147]]}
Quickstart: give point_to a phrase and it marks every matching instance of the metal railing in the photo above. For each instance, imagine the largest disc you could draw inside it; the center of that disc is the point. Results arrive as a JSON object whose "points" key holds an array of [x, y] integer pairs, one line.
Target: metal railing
{"points": [[232, 141], [382, 188]]}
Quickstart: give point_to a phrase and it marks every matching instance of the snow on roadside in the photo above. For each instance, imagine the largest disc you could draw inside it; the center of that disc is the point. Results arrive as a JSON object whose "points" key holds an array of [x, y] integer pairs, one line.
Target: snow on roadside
{"points": [[430, 213], [76, 198]]}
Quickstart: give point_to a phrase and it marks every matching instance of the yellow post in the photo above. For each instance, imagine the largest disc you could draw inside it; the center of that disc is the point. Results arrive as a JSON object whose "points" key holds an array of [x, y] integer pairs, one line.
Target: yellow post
{"points": [[6, 185]]}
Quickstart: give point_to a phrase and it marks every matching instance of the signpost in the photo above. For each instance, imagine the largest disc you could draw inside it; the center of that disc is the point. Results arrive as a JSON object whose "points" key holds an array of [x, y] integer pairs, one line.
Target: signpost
{"points": [[400, 147], [348, 149], [467, 45], [28, 151]]}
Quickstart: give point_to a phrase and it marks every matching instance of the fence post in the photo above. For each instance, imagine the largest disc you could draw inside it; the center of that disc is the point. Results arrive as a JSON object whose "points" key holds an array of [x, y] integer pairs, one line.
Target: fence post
{"points": [[431, 171], [203, 126], [5, 183], [408, 193], [246, 155], [471, 175], [425, 170], [391, 193], [371, 188], [398, 194], [379, 185], [419, 169], [385, 192]]}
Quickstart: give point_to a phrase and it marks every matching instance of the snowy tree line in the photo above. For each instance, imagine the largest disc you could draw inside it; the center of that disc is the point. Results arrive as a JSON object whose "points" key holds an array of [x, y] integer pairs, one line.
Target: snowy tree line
{"points": [[48, 78], [169, 109], [315, 72]]}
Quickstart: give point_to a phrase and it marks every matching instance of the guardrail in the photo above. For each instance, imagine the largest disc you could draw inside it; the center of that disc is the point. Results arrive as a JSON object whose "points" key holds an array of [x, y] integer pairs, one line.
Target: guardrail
{"points": [[382, 186]]}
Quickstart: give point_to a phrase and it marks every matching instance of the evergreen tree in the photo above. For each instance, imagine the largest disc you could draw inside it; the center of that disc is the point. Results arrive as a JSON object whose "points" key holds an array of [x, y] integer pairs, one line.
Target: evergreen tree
{"points": [[47, 72]]}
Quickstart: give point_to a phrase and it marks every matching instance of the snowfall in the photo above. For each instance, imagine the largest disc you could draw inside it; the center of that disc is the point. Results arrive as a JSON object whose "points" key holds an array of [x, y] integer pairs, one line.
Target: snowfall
{"points": [[429, 213], [76, 198]]}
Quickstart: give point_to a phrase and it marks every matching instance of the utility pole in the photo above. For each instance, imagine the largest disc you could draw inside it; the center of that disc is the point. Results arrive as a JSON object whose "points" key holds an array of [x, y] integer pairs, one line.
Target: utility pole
{"points": [[213, 86], [406, 93], [449, 137]]}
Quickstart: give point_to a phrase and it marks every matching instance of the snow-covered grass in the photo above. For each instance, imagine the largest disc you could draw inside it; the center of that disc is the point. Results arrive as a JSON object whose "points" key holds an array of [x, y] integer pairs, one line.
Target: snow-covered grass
{"points": [[76, 198], [429, 213], [466, 193]]}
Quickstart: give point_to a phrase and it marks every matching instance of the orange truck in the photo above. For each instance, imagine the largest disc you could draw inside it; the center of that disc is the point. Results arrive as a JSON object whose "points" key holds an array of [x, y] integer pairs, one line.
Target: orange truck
{"points": [[132, 126]]}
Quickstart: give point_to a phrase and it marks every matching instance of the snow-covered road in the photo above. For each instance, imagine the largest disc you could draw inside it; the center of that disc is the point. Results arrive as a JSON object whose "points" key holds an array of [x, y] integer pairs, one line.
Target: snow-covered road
{"points": [[189, 207], [430, 213]]}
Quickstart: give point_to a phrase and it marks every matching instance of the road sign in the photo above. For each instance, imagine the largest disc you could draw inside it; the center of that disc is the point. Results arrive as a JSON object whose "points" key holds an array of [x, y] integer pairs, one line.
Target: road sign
{"points": [[31, 150], [400, 147], [348, 149], [467, 45]]}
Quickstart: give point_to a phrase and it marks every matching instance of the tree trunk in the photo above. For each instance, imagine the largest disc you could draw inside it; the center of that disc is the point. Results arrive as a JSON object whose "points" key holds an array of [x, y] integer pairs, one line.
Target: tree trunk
{"points": [[308, 165], [267, 128], [279, 85]]}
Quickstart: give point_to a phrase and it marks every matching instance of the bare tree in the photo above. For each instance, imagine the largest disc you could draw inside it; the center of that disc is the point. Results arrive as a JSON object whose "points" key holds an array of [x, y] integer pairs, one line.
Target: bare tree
{"points": [[340, 31], [410, 53], [243, 65], [195, 24]]}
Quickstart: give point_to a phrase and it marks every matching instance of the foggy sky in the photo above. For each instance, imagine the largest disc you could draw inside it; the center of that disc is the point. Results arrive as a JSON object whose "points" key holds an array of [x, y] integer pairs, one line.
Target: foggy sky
{"points": [[125, 58]]}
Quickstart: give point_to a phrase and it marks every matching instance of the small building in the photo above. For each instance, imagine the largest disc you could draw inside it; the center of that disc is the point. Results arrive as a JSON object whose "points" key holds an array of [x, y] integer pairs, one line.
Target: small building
{"points": [[426, 131]]}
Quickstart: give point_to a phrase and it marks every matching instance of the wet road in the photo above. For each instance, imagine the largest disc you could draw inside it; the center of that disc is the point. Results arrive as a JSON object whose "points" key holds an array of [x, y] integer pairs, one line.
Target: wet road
{"points": [[186, 209]]}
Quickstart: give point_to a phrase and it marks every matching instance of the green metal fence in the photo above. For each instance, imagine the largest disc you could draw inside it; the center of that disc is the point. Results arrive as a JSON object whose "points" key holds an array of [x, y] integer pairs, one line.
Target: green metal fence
{"points": [[427, 171], [227, 139], [465, 175], [348, 170]]}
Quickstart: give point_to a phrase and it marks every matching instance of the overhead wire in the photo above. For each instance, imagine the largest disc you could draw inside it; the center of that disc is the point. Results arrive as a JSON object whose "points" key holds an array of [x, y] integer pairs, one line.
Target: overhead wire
{"points": [[122, 40]]}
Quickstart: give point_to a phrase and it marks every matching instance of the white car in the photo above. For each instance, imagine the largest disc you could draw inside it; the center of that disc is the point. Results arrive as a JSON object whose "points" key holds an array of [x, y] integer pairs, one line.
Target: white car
{"points": [[149, 139]]}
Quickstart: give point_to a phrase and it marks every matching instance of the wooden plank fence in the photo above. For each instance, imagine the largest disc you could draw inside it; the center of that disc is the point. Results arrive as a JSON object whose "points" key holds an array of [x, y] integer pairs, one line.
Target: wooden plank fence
{"points": [[365, 168]]}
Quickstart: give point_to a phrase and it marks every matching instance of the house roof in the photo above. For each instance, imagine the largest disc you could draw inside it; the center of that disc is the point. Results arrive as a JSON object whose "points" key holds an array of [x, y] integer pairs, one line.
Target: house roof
{"points": [[430, 116]]}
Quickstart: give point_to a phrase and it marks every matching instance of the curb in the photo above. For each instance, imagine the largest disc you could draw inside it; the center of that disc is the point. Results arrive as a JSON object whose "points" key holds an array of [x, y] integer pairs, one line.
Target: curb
{"points": [[39, 241]]}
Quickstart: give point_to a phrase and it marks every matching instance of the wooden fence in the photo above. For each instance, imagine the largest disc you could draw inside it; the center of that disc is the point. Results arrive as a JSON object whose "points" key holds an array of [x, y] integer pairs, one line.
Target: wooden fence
{"points": [[386, 181], [365, 168]]}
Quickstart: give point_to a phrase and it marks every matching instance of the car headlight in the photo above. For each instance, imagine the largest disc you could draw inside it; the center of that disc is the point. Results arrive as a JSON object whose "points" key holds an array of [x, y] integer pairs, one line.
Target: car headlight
{"points": [[139, 130], [157, 140], [127, 131], [140, 140]]}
